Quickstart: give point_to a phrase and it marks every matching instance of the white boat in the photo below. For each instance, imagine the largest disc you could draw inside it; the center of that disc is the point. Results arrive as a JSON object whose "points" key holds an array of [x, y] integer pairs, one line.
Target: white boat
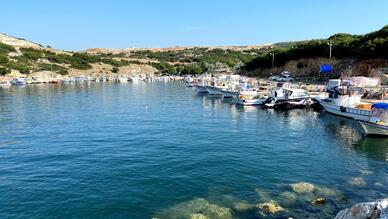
{"points": [[289, 98], [134, 79], [250, 96], [19, 81], [200, 85], [5, 84], [374, 128], [201, 89], [122, 79], [345, 101], [213, 90], [229, 93], [378, 121]]}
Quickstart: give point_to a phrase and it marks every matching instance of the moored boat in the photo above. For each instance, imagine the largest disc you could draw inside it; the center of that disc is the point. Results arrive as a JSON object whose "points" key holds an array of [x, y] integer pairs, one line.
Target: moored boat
{"points": [[378, 121], [346, 101], [19, 81]]}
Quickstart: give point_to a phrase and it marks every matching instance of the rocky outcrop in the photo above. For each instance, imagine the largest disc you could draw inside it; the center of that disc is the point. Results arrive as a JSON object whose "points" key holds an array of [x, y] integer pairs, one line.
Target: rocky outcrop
{"points": [[372, 210]]}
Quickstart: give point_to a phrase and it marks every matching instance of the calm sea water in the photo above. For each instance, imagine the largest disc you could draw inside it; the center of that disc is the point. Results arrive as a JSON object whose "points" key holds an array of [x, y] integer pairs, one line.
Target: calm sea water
{"points": [[152, 149]]}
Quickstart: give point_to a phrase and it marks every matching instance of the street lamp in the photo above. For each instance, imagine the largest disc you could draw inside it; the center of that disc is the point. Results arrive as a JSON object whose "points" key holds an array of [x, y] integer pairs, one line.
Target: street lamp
{"points": [[273, 58], [331, 47]]}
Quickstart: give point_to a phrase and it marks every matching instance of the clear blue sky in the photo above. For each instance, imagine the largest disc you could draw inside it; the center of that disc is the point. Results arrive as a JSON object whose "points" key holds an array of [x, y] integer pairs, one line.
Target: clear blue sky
{"points": [[80, 24]]}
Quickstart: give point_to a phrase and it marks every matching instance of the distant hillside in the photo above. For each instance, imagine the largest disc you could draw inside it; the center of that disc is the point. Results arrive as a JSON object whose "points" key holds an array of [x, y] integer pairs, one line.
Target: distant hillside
{"points": [[352, 54], [347, 51]]}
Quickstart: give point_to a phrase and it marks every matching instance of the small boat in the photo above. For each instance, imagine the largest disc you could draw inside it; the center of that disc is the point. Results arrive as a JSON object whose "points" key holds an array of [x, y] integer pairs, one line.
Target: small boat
{"points": [[214, 90], [229, 93], [134, 79], [5, 84], [19, 81], [250, 96], [200, 85], [346, 101], [378, 122], [289, 98]]}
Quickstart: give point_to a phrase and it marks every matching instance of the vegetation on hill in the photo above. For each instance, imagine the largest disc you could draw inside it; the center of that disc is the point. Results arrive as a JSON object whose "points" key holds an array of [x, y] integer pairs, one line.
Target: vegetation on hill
{"points": [[360, 47], [199, 60]]}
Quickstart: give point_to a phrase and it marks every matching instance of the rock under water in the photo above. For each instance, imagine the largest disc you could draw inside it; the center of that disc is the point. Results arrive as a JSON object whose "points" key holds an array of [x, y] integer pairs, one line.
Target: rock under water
{"points": [[303, 187], [373, 210], [198, 208]]}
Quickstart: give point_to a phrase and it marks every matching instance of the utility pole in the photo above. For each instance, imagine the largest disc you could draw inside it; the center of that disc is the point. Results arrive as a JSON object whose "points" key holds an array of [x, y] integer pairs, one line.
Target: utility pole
{"points": [[331, 47], [273, 59]]}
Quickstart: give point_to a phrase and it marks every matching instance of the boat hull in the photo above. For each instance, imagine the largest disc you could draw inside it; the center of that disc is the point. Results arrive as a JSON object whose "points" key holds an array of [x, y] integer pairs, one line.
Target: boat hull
{"points": [[358, 114], [251, 102], [201, 89], [214, 90], [229, 94], [374, 129]]}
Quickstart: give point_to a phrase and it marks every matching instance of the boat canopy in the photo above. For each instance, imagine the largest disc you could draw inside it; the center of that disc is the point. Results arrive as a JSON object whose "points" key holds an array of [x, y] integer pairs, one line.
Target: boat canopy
{"points": [[380, 106]]}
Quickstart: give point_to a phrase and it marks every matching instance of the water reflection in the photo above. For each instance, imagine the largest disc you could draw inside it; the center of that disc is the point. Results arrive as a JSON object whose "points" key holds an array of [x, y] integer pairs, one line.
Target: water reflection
{"points": [[373, 147]]}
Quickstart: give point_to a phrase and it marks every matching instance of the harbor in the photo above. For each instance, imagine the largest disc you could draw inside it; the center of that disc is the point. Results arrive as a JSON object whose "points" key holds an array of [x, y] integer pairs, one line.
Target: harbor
{"points": [[208, 155], [194, 109]]}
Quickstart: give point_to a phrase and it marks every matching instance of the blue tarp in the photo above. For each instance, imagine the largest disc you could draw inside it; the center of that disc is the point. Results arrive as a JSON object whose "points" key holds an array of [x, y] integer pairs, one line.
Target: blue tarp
{"points": [[380, 106], [326, 68]]}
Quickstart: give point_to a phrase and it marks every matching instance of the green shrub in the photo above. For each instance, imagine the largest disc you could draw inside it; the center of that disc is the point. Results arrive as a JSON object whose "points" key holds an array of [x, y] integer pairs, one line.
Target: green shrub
{"points": [[4, 71], [3, 59], [5, 49], [115, 70]]}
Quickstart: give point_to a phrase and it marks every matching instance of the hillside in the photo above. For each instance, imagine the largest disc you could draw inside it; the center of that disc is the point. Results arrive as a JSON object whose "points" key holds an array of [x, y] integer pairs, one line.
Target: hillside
{"points": [[351, 55]]}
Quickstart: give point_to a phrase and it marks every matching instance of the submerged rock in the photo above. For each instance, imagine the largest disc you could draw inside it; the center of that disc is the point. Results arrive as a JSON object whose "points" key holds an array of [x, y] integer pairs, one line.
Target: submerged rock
{"points": [[357, 181], [242, 206], [198, 207], [375, 210], [197, 216], [327, 192], [287, 198], [303, 187], [263, 195], [215, 211], [270, 207], [318, 201]]}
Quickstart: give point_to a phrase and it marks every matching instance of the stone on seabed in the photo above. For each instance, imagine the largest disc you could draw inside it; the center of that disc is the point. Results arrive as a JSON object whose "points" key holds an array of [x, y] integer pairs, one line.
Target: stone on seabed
{"points": [[373, 210], [357, 181], [270, 207], [263, 195], [318, 201], [242, 206], [303, 187], [287, 198], [197, 216]]}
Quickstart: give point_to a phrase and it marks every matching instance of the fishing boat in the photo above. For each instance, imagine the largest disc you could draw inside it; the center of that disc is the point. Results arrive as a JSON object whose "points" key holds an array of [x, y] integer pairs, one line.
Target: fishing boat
{"points": [[251, 96], [345, 100], [287, 97], [200, 85], [378, 122], [19, 81]]}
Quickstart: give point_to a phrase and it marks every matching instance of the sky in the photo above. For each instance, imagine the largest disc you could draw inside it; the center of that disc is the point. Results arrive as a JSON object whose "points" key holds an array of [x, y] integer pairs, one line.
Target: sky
{"points": [[82, 24]]}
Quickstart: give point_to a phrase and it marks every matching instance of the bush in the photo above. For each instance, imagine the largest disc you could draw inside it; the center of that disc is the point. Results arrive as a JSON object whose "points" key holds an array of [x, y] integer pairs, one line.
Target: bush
{"points": [[5, 49], [115, 70], [4, 71], [3, 59], [55, 68], [32, 54]]}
